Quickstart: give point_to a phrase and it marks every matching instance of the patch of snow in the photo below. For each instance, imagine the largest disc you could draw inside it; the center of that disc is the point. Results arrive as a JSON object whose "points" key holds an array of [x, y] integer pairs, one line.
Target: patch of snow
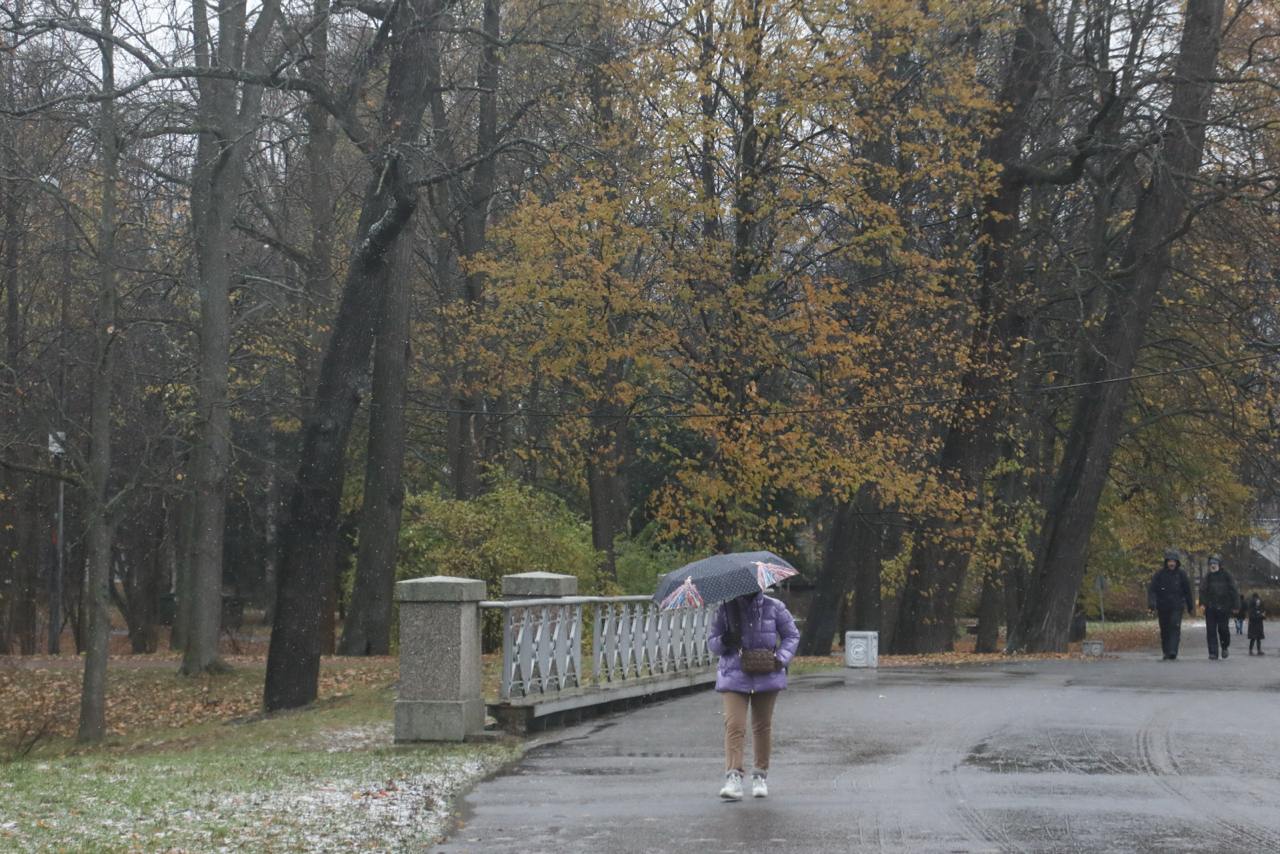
{"points": [[354, 738], [344, 814]]}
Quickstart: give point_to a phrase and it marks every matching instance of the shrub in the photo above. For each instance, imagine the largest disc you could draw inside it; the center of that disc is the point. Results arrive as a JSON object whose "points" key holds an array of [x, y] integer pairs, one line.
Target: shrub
{"points": [[640, 561], [513, 528]]}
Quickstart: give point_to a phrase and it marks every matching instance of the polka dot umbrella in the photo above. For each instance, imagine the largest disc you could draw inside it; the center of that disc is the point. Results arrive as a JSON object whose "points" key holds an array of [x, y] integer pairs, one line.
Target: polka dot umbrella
{"points": [[720, 578]]}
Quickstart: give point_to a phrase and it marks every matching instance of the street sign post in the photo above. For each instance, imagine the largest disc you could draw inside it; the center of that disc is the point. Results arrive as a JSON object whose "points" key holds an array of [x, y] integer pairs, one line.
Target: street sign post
{"points": [[57, 447]]}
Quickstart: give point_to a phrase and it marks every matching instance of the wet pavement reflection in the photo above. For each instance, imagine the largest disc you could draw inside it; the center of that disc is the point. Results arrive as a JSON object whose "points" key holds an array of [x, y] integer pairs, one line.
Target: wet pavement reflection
{"points": [[1121, 754]]}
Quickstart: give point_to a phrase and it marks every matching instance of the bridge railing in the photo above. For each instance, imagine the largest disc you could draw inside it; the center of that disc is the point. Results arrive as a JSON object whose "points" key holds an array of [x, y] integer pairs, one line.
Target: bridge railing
{"points": [[631, 639], [635, 651]]}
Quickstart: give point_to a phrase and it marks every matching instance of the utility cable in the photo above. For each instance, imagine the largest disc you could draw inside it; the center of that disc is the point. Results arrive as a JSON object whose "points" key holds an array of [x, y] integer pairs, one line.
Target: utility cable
{"points": [[904, 404]]}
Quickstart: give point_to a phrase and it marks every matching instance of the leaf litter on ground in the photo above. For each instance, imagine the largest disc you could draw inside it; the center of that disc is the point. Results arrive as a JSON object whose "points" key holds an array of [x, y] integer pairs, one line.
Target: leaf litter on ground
{"points": [[193, 765]]}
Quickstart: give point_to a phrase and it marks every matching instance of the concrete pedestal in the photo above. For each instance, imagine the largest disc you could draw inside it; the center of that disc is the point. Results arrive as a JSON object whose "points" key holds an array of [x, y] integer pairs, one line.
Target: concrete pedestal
{"points": [[538, 585], [440, 695]]}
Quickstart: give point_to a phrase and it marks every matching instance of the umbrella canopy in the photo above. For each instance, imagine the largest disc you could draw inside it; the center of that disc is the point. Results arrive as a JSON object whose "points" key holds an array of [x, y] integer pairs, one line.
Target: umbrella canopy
{"points": [[720, 578]]}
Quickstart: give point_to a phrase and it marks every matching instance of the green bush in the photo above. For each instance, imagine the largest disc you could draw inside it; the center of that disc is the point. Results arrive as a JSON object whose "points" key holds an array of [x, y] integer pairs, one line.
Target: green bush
{"points": [[513, 528], [640, 561]]}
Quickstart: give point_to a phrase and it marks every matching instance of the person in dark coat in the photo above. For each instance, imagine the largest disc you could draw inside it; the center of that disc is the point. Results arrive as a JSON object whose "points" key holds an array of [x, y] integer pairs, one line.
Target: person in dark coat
{"points": [[1219, 596], [1241, 615], [1256, 617], [1167, 594]]}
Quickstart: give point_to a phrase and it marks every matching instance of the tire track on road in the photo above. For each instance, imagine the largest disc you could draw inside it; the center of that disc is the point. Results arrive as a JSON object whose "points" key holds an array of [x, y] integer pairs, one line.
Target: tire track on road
{"points": [[1156, 759], [971, 819]]}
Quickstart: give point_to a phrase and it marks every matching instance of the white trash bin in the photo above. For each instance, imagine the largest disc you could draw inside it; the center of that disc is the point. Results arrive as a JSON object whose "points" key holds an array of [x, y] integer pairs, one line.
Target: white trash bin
{"points": [[862, 649]]}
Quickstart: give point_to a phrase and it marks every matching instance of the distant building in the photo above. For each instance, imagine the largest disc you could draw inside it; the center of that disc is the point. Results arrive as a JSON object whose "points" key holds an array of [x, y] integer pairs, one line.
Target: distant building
{"points": [[1258, 564]]}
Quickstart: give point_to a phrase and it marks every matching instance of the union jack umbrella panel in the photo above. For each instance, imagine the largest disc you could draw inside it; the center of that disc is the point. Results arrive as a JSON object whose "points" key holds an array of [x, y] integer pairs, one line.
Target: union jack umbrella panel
{"points": [[720, 578]]}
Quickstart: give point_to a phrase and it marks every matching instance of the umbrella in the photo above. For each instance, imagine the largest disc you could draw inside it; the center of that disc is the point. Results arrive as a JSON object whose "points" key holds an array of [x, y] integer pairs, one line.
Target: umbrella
{"points": [[720, 578]]}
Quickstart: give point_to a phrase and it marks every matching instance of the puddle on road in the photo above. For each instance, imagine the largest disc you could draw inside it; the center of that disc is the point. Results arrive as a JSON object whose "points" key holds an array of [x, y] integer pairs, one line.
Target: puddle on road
{"points": [[1051, 752], [870, 754], [827, 684], [1013, 764], [967, 676], [602, 771]]}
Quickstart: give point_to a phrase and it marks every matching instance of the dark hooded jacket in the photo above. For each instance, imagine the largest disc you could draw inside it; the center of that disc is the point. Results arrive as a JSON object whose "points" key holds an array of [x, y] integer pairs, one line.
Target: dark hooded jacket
{"points": [[1170, 589], [1257, 614], [1218, 590]]}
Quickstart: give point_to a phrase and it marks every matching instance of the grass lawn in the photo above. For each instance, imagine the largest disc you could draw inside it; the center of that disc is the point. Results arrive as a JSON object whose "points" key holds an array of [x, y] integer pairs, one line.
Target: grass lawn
{"points": [[327, 778]]}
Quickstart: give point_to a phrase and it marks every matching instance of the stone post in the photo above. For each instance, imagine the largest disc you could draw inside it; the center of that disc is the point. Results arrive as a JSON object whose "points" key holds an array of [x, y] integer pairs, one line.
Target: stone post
{"points": [[862, 649], [561, 632], [440, 696], [538, 585]]}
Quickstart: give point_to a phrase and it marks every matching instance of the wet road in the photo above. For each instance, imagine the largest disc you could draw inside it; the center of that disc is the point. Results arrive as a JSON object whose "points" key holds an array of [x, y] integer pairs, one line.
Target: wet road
{"points": [[1125, 754]]}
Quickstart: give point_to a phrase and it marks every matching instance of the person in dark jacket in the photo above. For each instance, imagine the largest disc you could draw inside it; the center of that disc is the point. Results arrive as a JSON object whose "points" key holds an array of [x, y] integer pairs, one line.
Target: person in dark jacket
{"points": [[750, 622], [1219, 596], [1167, 594], [1256, 617], [1241, 615]]}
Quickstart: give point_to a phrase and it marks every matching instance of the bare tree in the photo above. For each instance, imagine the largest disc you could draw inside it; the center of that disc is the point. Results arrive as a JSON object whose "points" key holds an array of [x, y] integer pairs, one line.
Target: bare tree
{"points": [[98, 576], [1164, 201], [368, 625], [308, 536], [228, 112]]}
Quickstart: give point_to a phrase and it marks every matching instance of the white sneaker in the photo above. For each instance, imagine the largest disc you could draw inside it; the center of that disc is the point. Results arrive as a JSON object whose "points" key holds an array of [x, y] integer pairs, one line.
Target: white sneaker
{"points": [[732, 788], [759, 788]]}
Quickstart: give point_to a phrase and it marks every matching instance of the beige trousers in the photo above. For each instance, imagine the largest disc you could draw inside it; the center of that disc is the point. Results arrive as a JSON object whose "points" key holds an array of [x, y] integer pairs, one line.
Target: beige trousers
{"points": [[735, 728]]}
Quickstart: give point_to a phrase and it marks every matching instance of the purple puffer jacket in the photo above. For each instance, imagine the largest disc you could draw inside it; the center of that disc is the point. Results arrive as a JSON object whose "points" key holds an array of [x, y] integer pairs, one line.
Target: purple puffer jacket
{"points": [[765, 622]]}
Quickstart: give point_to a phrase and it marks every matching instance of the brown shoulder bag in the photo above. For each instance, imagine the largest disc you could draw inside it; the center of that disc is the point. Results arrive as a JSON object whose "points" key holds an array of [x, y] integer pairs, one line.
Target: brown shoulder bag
{"points": [[753, 661]]}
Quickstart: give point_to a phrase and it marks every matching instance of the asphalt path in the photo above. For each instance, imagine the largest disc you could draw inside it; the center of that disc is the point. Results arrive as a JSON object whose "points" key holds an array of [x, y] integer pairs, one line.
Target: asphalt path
{"points": [[1126, 753]]}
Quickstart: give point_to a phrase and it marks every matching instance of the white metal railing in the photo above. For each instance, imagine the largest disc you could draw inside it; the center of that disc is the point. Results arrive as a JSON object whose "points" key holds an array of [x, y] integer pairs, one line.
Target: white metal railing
{"points": [[631, 639]]}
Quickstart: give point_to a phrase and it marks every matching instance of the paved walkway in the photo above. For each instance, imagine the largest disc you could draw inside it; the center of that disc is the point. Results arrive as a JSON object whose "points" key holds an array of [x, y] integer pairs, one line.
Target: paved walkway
{"points": [[1128, 754]]}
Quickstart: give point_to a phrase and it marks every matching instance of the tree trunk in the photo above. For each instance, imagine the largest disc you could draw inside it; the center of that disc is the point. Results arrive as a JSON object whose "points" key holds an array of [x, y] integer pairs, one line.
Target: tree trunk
{"points": [[468, 426], [989, 607], [185, 536], [8, 560], [874, 542], [12, 483], [607, 491], [939, 561], [25, 498], [210, 213], [93, 724], [832, 584], [1098, 417], [31, 556], [228, 115], [368, 625], [139, 599], [308, 535], [321, 142]]}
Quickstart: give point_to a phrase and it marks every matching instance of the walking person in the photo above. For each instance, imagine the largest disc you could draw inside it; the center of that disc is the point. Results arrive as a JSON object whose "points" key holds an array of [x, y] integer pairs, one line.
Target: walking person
{"points": [[1241, 615], [1167, 594], [1256, 617], [756, 638], [1220, 597]]}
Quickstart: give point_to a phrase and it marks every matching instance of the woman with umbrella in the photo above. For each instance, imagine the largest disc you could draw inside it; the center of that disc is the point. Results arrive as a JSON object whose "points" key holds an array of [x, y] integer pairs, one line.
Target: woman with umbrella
{"points": [[755, 637]]}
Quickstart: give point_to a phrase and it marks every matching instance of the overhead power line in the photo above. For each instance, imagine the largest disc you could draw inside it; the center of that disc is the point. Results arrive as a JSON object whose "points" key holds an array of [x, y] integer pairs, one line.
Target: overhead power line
{"points": [[915, 403]]}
